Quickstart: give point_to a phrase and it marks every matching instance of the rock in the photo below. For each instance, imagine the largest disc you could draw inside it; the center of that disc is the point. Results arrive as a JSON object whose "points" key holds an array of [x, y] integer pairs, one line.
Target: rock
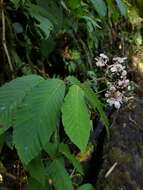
{"points": [[4, 188], [122, 167]]}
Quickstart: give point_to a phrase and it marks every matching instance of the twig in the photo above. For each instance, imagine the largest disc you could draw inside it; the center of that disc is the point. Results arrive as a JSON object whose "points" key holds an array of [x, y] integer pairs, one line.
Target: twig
{"points": [[4, 40], [40, 71], [111, 169], [7, 174], [10, 175]]}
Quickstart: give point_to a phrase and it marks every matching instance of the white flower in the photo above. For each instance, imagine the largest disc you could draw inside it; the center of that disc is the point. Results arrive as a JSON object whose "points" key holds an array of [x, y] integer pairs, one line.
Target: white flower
{"points": [[123, 83], [112, 88], [100, 64], [129, 88], [103, 56], [120, 82], [124, 73], [117, 104], [116, 68], [107, 95], [119, 59], [126, 82], [113, 69], [113, 101], [110, 101], [118, 96]]}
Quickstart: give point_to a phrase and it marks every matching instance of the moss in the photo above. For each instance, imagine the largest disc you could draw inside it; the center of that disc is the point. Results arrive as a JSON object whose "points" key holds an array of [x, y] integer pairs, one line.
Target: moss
{"points": [[107, 188], [119, 155], [116, 183], [139, 147]]}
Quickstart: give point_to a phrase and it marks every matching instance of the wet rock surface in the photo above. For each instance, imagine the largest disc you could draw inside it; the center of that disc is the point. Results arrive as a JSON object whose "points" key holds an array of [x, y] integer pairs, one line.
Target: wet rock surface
{"points": [[122, 167]]}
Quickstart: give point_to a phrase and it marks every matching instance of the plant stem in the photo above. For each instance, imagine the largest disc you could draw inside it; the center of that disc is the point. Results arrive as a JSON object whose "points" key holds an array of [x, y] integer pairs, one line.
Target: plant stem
{"points": [[4, 40]]}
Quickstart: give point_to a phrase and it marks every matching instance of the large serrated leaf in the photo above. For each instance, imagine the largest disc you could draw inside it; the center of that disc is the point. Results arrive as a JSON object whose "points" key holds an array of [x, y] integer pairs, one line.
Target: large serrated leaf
{"points": [[37, 170], [75, 117], [11, 95], [37, 118], [100, 7], [96, 104], [59, 175]]}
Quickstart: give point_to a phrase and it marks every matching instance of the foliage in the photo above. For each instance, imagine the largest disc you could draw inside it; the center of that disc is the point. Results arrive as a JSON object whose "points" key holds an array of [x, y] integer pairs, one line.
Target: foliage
{"points": [[43, 117], [75, 117], [35, 118], [69, 29]]}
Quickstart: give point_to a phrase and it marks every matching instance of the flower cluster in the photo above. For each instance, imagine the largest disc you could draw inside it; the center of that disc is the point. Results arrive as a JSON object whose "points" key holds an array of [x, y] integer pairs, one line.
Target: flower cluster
{"points": [[116, 79], [102, 60]]}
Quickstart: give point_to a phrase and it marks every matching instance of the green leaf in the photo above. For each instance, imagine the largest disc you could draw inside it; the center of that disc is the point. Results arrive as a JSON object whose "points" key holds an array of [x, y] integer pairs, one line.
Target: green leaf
{"points": [[9, 139], [96, 104], [73, 4], [75, 117], [86, 187], [55, 13], [64, 149], [73, 80], [11, 95], [122, 7], [35, 185], [37, 118], [47, 47], [59, 175], [17, 28], [15, 2], [45, 25], [40, 15], [100, 7], [51, 149], [37, 170]]}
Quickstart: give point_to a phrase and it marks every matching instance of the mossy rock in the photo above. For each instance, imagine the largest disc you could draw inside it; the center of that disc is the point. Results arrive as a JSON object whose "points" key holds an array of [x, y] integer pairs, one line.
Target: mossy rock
{"points": [[123, 154]]}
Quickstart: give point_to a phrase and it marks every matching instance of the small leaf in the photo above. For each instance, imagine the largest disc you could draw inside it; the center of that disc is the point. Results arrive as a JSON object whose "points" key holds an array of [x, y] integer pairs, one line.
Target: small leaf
{"points": [[73, 80], [86, 187], [100, 7], [75, 117], [73, 4], [122, 7], [45, 25], [64, 149], [96, 104], [59, 175], [37, 171]]}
